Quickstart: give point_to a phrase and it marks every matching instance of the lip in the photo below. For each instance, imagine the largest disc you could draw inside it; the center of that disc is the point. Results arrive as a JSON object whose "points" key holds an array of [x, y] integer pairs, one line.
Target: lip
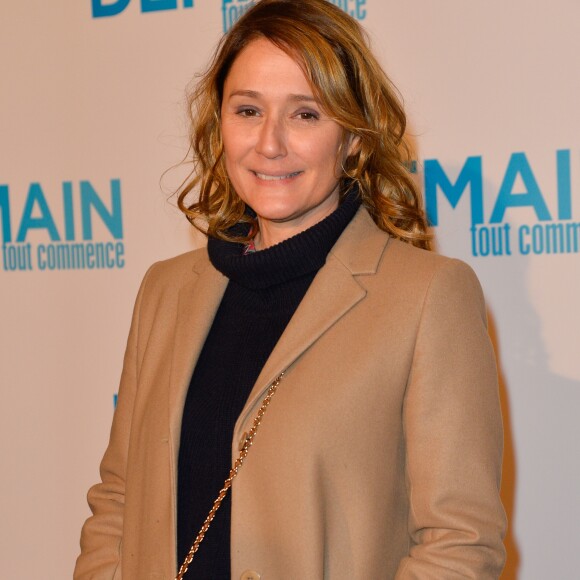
{"points": [[278, 176]]}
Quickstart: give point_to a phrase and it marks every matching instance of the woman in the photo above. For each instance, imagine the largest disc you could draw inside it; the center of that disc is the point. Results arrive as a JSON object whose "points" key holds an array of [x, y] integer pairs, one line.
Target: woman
{"points": [[379, 454]]}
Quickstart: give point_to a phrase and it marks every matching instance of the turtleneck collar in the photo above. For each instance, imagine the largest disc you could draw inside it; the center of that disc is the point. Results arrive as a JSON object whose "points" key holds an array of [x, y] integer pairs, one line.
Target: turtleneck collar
{"points": [[302, 254]]}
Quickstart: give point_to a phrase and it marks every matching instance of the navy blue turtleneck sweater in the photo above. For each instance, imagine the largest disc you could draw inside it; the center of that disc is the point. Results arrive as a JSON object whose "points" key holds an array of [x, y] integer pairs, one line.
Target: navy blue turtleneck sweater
{"points": [[263, 292]]}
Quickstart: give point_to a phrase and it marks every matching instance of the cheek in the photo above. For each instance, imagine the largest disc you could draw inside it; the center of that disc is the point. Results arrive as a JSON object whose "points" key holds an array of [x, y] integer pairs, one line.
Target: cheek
{"points": [[233, 165], [324, 147], [233, 140], [235, 175], [325, 154]]}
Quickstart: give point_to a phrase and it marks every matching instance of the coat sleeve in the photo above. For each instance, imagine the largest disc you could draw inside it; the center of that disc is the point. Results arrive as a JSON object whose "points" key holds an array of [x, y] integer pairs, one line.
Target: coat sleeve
{"points": [[100, 557], [453, 437]]}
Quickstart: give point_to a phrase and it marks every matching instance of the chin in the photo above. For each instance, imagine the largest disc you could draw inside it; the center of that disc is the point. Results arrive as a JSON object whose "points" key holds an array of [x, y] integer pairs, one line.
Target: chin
{"points": [[277, 217], [274, 213]]}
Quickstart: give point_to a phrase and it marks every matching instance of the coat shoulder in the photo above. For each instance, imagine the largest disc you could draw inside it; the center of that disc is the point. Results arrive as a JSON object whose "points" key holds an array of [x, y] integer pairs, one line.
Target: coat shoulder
{"points": [[400, 253], [404, 261], [422, 276], [177, 271], [365, 249]]}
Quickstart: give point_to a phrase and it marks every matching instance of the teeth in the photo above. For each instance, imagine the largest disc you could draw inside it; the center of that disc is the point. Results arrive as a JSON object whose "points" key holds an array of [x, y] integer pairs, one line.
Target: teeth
{"points": [[276, 177]]}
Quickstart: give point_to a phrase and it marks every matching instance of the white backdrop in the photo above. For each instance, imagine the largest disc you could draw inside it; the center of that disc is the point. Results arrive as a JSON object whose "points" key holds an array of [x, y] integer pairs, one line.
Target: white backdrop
{"points": [[91, 116]]}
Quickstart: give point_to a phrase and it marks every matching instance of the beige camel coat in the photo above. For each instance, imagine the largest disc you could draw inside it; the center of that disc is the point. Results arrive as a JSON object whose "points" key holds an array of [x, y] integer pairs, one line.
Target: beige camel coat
{"points": [[379, 456]]}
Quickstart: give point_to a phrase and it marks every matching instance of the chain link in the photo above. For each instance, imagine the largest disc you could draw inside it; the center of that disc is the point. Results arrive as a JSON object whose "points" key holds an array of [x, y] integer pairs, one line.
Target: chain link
{"points": [[233, 472]]}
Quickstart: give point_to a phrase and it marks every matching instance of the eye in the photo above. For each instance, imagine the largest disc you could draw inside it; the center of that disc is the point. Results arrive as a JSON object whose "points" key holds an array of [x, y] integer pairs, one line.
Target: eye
{"points": [[247, 112], [308, 115]]}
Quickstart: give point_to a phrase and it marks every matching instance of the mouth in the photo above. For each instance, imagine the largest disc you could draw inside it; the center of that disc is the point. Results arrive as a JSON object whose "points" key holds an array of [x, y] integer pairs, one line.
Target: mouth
{"points": [[267, 177]]}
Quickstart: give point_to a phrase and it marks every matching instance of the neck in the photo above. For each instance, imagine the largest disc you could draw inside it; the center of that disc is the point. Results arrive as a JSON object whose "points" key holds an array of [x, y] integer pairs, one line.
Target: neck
{"points": [[294, 258]]}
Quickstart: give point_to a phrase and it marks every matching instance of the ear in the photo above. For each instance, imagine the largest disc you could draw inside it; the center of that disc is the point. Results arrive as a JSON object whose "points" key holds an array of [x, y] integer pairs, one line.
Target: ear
{"points": [[352, 145]]}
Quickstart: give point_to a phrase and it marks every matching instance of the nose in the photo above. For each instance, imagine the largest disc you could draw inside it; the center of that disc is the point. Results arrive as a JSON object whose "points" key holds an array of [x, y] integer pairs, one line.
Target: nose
{"points": [[271, 142]]}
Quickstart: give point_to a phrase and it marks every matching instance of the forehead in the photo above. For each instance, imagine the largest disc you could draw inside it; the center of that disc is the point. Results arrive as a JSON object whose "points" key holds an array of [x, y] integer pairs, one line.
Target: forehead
{"points": [[263, 65]]}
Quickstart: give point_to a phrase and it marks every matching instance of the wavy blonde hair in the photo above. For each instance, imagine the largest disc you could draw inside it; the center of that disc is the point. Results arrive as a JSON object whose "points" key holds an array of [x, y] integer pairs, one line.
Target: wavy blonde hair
{"points": [[351, 86]]}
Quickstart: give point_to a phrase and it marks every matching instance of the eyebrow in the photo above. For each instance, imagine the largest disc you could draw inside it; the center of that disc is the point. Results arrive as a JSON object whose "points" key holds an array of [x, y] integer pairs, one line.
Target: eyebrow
{"points": [[257, 95]]}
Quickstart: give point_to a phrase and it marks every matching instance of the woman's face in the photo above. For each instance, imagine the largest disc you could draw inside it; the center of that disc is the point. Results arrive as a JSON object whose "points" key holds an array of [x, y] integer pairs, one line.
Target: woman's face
{"points": [[281, 148]]}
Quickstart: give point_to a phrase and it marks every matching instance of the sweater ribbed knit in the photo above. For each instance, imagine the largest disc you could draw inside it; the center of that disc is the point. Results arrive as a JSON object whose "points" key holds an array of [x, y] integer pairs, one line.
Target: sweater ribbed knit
{"points": [[263, 292]]}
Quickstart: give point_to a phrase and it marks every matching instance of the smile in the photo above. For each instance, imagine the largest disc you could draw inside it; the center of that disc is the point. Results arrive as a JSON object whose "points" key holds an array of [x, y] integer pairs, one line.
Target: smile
{"points": [[265, 177]]}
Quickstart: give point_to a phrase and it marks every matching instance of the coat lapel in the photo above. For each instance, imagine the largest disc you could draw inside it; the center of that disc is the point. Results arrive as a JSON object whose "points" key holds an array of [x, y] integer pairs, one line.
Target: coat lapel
{"points": [[335, 290], [198, 302]]}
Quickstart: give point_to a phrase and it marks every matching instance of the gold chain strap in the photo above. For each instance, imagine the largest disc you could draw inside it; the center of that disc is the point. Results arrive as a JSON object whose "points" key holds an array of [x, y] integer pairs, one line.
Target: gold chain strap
{"points": [[228, 482]]}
